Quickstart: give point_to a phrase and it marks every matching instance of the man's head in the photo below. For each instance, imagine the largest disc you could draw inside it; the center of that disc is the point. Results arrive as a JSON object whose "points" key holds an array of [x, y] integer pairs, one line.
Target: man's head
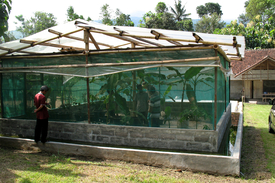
{"points": [[44, 89], [139, 87], [151, 89]]}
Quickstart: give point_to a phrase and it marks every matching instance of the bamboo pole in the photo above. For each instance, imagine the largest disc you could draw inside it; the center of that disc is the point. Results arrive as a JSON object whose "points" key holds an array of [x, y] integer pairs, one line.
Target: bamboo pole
{"points": [[50, 44], [1, 98], [116, 35], [112, 64], [140, 39], [121, 45], [113, 51], [216, 99], [39, 42], [86, 40], [232, 54], [162, 35], [164, 38], [237, 59], [11, 50], [83, 76], [94, 41], [77, 38], [218, 48]]}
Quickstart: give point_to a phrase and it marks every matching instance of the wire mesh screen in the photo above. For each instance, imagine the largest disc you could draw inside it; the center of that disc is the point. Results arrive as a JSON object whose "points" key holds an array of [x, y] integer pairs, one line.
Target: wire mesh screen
{"points": [[168, 96]]}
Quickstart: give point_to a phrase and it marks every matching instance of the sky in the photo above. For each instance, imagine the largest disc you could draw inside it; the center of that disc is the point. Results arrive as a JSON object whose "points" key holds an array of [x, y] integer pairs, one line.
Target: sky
{"points": [[231, 9]]}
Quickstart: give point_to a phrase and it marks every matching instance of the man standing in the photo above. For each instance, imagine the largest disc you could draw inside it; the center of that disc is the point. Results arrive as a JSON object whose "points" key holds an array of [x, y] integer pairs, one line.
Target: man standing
{"points": [[42, 115]]}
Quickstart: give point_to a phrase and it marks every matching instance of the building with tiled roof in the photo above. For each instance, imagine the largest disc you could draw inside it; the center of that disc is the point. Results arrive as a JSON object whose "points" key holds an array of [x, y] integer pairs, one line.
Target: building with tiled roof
{"points": [[254, 77]]}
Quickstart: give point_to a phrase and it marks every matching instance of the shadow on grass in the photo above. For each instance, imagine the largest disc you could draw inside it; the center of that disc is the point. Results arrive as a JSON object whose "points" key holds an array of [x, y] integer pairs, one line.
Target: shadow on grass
{"points": [[253, 156], [20, 165]]}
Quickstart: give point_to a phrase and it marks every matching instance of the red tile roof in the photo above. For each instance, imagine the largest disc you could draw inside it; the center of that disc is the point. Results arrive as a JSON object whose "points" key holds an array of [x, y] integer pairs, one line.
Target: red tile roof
{"points": [[251, 58]]}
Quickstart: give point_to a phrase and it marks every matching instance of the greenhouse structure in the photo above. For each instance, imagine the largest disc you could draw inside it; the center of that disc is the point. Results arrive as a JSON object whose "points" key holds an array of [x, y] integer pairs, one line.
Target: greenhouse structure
{"points": [[93, 72]]}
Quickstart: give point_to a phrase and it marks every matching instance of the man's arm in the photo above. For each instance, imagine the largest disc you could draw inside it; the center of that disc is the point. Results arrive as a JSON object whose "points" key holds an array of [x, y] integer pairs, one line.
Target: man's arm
{"points": [[39, 108]]}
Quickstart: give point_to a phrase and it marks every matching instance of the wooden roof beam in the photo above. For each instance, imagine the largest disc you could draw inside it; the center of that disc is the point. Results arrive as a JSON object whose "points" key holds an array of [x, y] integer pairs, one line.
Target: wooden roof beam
{"points": [[157, 34], [116, 35], [93, 40], [140, 39], [39, 42], [77, 38], [50, 44], [165, 38], [10, 50]]}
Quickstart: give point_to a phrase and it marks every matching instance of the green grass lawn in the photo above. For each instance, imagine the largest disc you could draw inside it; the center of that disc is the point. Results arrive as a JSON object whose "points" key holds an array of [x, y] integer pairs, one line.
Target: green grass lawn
{"points": [[257, 116]]}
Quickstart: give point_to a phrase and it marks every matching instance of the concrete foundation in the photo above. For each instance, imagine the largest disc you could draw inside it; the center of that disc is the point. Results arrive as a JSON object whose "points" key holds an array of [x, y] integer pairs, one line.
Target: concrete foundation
{"points": [[145, 137], [216, 164]]}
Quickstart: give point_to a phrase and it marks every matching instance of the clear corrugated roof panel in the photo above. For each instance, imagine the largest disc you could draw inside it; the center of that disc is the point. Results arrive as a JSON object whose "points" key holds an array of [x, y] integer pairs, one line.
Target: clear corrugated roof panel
{"points": [[75, 40]]}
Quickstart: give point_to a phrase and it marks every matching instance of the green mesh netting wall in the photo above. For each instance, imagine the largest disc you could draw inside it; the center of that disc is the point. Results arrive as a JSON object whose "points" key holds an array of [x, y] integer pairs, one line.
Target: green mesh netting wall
{"points": [[186, 94]]}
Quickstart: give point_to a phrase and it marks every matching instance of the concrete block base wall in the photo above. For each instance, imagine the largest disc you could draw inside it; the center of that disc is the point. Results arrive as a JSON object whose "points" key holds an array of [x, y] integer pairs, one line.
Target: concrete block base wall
{"points": [[132, 136]]}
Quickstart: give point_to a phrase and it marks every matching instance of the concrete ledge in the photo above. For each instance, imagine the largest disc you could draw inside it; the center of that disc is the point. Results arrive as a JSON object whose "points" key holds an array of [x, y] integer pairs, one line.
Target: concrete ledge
{"points": [[214, 164]]}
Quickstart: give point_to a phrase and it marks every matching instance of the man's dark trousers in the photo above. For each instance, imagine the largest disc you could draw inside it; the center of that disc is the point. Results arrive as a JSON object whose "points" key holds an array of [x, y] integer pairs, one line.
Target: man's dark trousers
{"points": [[41, 128]]}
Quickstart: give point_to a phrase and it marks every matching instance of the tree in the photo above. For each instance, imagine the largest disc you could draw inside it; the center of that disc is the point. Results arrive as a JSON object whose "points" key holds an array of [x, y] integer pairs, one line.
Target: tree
{"points": [[179, 11], [71, 15], [10, 36], [186, 25], [123, 19], [244, 19], [162, 19], [208, 24], [265, 8], [257, 34], [39, 22], [209, 9], [4, 16], [106, 15], [161, 7]]}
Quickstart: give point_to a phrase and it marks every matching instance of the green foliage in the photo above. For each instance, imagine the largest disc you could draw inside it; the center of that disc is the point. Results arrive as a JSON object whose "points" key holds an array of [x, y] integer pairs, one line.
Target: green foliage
{"points": [[71, 15], [39, 22], [123, 19], [260, 7], [120, 20], [161, 7], [209, 9], [106, 15], [207, 24], [257, 34], [4, 17], [8, 36], [186, 25], [180, 11], [244, 19], [163, 19]]}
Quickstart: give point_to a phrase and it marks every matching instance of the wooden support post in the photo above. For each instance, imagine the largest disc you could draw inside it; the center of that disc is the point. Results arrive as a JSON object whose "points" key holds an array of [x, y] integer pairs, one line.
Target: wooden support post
{"points": [[215, 100], [1, 98], [86, 41], [134, 83]]}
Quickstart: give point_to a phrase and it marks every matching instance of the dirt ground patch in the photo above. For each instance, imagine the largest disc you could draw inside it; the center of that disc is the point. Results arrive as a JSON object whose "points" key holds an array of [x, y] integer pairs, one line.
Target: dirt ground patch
{"points": [[13, 160]]}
